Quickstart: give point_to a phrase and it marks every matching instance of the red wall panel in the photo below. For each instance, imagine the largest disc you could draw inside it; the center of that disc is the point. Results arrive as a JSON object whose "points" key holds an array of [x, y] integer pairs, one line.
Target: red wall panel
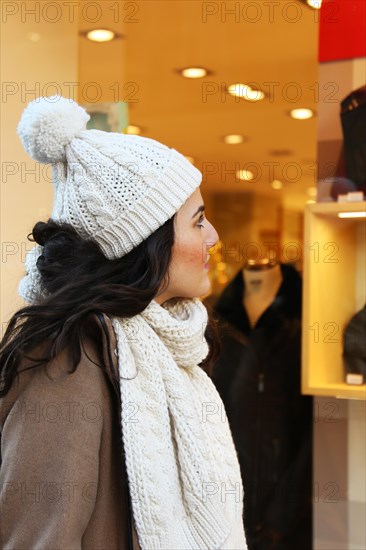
{"points": [[342, 29]]}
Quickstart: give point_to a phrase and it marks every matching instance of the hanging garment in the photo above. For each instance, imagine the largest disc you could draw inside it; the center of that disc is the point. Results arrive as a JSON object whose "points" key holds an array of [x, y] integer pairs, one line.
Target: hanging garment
{"points": [[258, 375]]}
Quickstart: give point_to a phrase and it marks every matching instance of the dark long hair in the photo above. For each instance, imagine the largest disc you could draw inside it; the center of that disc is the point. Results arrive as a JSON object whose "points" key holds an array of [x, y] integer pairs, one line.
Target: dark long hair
{"points": [[77, 279]]}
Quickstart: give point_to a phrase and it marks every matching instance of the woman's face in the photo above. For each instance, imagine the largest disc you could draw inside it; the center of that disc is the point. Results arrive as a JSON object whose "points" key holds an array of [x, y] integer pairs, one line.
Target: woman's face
{"points": [[194, 235]]}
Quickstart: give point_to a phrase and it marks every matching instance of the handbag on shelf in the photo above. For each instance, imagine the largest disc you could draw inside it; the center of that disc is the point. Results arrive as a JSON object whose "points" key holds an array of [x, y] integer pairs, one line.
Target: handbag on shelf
{"points": [[353, 119], [354, 349]]}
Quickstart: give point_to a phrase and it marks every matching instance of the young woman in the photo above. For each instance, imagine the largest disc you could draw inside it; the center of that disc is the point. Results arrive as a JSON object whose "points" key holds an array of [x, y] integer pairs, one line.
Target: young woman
{"points": [[112, 434]]}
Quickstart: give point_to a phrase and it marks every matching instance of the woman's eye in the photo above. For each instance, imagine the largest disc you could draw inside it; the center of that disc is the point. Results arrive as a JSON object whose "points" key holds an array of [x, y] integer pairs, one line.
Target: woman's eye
{"points": [[201, 218]]}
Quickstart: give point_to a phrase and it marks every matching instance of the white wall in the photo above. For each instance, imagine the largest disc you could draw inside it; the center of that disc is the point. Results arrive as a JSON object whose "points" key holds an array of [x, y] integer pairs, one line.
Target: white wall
{"points": [[29, 68]]}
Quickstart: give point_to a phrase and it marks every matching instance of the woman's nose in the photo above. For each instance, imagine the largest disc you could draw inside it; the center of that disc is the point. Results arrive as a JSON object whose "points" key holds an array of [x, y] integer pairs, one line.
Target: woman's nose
{"points": [[212, 236]]}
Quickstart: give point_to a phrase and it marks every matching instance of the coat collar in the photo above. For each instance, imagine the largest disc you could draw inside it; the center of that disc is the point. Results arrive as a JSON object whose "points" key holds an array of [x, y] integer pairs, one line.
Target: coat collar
{"points": [[287, 301], [103, 324]]}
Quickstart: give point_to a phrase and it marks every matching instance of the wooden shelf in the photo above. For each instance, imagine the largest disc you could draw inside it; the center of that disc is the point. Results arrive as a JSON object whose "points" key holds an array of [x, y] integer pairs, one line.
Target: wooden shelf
{"points": [[334, 290]]}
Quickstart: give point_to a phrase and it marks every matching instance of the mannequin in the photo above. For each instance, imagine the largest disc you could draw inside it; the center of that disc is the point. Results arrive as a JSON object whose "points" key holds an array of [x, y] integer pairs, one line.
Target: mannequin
{"points": [[262, 281], [258, 375]]}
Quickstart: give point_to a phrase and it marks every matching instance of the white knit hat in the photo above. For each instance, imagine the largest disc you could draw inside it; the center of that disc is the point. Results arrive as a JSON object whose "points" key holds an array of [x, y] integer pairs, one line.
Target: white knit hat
{"points": [[113, 188]]}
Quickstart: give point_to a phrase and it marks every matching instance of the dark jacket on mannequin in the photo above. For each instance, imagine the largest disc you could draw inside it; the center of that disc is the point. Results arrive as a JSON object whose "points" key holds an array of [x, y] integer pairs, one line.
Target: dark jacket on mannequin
{"points": [[258, 375]]}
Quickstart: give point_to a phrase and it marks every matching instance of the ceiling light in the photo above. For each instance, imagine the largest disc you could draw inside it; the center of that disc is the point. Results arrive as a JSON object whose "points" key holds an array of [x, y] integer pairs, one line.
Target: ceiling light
{"points": [[352, 214], [190, 159], [238, 90], [133, 130], [34, 36], [245, 91], [316, 4], [244, 175], [194, 72], [100, 35], [276, 184], [233, 139], [301, 114], [254, 95]]}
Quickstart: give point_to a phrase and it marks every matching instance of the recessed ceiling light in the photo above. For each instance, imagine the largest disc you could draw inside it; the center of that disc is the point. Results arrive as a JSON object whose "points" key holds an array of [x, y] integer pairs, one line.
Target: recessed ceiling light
{"points": [[238, 89], [133, 130], [194, 72], [246, 92], [276, 184], [246, 175], [233, 139], [191, 159], [301, 114], [254, 95], [100, 35], [316, 4], [34, 36]]}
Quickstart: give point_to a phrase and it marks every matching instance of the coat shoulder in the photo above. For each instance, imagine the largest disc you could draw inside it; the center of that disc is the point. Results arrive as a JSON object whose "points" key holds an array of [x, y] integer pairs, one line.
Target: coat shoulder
{"points": [[95, 372], [60, 430]]}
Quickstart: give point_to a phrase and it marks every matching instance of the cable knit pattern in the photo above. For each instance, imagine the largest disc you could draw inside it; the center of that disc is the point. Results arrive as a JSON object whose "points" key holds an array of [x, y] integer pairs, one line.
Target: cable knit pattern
{"points": [[116, 189], [182, 466]]}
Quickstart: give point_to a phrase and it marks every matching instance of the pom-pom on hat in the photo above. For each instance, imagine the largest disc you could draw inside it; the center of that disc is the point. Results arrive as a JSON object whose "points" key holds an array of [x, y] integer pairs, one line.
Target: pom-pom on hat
{"points": [[48, 125], [113, 188]]}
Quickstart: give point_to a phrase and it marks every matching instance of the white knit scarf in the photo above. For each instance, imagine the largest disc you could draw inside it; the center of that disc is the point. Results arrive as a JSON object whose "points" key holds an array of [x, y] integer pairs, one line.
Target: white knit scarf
{"points": [[182, 466]]}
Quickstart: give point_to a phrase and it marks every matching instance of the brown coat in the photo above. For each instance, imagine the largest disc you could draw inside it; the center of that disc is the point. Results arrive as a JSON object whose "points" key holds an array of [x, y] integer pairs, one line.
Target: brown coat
{"points": [[61, 477]]}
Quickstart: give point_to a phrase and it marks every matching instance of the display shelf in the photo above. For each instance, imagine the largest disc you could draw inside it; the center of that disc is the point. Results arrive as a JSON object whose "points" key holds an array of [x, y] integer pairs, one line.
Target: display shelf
{"points": [[334, 289]]}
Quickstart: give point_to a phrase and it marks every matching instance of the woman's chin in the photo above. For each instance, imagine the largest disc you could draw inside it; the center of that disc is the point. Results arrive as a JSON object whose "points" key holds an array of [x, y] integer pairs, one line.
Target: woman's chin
{"points": [[205, 287]]}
